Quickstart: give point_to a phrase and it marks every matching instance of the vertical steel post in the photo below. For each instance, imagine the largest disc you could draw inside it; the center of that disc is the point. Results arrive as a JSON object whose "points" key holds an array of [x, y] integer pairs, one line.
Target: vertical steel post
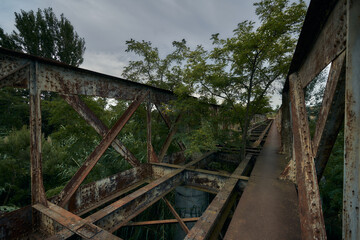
{"points": [[37, 186], [286, 136], [351, 223], [148, 126], [310, 210]]}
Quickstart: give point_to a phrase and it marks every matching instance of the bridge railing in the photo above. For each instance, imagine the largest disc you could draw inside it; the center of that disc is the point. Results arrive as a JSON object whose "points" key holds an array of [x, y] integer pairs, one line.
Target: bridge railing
{"points": [[330, 35]]}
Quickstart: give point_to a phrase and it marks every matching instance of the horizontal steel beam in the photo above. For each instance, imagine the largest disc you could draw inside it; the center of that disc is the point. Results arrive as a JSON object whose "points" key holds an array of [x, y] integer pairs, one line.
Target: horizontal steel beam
{"points": [[9, 69], [120, 212], [156, 222], [58, 77], [329, 44], [205, 180], [15, 77], [92, 195], [72, 222], [207, 222]]}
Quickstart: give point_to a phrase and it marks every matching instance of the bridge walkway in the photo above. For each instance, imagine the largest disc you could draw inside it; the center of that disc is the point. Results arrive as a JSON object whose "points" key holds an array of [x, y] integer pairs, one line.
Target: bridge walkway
{"points": [[268, 208]]}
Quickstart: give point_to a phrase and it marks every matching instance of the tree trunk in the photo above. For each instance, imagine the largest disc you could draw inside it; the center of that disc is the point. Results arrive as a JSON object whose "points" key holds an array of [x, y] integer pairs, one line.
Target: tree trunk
{"points": [[244, 133]]}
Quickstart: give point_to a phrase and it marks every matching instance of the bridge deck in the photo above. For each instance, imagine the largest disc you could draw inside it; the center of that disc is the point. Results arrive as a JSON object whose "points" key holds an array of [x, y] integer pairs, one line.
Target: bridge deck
{"points": [[268, 208]]}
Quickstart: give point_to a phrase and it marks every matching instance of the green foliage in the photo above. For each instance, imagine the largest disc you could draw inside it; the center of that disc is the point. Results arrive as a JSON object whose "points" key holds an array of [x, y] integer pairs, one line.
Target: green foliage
{"points": [[256, 56], [170, 73], [15, 166], [201, 139], [152, 69], [238, 72], [42, 34], [7, 209], [14, 108], [331, 189], [314, 93], [158, 211], [7, 41]]}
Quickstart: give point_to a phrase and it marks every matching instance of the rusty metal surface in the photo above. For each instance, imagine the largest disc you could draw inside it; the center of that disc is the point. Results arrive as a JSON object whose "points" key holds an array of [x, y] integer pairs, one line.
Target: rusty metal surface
{"points": [[311, 216], [169, 138], [16, 224], [94, 157], [17, 77], [262, 135], [93, 194], [201, 179], [84, 111], [176, 215], [167, 121], [120, 212], [268, 206], [205, 225], [59, 77], [151, 155], [37, 186], [77, 82], [277, 120], [165, 221], [331, 116], [289, 173], [316, 17], [329, 44], [208, 220], [72, 222], [10, 64], [322, 40], [205, 180], [286, 132], [351, 200]]}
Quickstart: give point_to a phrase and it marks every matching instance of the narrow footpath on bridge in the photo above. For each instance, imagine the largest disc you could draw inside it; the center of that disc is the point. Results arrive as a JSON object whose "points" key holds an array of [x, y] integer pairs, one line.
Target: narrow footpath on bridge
{"points": [[268, 208]]}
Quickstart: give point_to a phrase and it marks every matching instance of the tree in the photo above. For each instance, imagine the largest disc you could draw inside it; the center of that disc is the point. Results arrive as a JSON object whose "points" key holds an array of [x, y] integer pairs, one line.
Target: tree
{"points": [[164, 73], [170, 73], [43, 34], [244, 67], [7, 41]]}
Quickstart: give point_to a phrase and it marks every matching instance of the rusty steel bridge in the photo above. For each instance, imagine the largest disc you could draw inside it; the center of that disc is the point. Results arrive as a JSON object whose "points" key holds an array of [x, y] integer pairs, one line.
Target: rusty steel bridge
{"points": [[270, 196]]}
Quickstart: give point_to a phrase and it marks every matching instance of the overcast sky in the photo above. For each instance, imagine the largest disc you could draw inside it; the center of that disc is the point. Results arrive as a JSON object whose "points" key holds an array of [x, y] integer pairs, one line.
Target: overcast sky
{"points": [[107, 24]]}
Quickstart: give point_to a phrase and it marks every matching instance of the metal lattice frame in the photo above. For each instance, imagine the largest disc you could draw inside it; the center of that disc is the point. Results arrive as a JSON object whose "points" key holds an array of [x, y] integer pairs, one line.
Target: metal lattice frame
{"points": [[60, 217], [330, 35]]}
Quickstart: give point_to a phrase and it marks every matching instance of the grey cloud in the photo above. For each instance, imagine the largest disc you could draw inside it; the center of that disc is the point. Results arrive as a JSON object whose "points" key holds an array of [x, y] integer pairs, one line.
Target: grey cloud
{"points": [[107, 24]]}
